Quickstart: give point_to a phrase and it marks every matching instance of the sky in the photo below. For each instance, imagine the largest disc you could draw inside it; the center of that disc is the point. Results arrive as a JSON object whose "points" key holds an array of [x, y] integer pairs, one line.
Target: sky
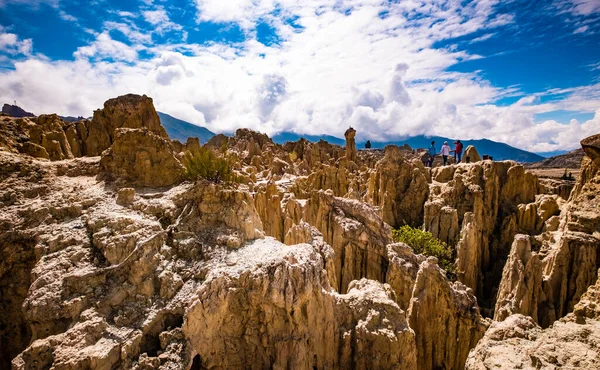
{"points": [[523, 72]]}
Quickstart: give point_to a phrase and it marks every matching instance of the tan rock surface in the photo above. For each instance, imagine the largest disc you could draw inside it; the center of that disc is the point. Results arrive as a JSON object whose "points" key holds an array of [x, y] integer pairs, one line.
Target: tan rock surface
{"points": [[139, 157], [127, 111], [553, 293], [399, 187], [302, 323], [471, 155], [97, 276], [445, 319]]}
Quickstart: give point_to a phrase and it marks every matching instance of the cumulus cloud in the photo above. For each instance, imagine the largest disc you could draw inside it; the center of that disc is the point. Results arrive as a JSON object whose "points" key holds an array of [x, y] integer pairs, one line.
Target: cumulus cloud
{"points": [[160, 19], [104, 47], [10, 44], [349, 65], [271, 92]]}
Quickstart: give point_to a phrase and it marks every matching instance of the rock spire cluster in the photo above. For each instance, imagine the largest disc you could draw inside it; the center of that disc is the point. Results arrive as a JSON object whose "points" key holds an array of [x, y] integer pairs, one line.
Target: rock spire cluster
{"points": [[111, 259]]}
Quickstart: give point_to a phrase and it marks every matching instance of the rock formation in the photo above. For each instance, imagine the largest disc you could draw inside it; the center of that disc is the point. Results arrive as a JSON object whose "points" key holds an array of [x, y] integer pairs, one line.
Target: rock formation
{"points": [[139, 157], [399, 187], [350, 144], [128, 111], [552, 285], [471, 155], [16, 111], [474, 206], [111, 259]]}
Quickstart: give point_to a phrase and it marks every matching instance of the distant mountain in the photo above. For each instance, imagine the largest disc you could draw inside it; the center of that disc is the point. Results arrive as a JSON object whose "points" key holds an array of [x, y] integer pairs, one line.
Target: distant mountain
{"points": [[571, 159], [71, 118], [16, 111], [284, 137], [181, 130], [499, 151]]}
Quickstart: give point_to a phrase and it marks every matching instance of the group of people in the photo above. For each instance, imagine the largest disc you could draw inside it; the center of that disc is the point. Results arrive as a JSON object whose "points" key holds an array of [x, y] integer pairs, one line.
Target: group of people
{"points": [[445, 152]]}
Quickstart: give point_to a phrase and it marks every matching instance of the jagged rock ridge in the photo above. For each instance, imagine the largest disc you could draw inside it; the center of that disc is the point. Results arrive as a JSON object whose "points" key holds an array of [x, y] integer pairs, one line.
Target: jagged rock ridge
{"points": [[111, 260]]}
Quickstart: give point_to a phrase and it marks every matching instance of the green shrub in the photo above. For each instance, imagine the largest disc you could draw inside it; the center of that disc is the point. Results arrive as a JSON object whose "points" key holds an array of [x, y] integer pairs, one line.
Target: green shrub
{"points": [[423, 242], [204, 163]]}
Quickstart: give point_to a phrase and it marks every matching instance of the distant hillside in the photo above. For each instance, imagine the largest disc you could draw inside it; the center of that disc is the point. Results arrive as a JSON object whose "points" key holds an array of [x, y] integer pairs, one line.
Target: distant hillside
{"points": [[284, 137], [181, 130], [571, 159], [16, 111], [499, 151], [71, 118]]}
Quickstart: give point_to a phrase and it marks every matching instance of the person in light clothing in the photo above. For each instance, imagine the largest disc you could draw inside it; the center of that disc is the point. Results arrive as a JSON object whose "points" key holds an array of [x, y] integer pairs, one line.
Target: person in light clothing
{"points": [[445, 152]]}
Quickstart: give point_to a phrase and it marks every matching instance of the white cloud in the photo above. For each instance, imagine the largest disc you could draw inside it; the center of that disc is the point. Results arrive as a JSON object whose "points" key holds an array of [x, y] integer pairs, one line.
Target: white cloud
{"points": [[67, 17], [105, 47], [379, 74], [159, 18], [585, 7], [10, 44], [130, 30], [582, 29], [487, 36]]}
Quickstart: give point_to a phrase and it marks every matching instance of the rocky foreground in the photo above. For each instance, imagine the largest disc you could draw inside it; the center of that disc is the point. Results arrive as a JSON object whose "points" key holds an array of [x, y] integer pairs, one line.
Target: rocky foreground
{"points": [[110, 259]]}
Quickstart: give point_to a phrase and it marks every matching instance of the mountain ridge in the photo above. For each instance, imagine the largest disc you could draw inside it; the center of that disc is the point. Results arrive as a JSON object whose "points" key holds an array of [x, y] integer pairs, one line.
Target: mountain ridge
{"points": [[180, 130], [498, 150]]}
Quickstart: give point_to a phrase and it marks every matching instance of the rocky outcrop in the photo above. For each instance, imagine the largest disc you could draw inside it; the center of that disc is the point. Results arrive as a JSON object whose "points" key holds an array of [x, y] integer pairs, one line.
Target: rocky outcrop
{"points": [[302, 324], [17, 259], [350, 135], [474, 206], [357, 234], [471, 155], [564, 259], [445, 319], [399, 187], [519, 343], [127, 111], [16, 111], [268, 205], [141, 158], [219, 215]]}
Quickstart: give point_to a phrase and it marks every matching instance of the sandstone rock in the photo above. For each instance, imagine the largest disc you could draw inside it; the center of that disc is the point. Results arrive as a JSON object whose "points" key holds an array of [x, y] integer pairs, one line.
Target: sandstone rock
{"points": [[350, 144], [519, 343], [268, 206], [127, 111], [471, 155], [125, 196], [591, 146], [34, 150], [287, 328], [553, 293], [445, 319], [17, 259], [141, 158], [212, 210], [519, 288], [486, 197], [356, 233], [399, 187]]}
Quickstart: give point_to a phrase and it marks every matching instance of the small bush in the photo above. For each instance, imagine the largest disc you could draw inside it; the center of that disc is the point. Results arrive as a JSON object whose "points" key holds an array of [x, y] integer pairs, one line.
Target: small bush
{"points": [[423, 242], [204, 163]]}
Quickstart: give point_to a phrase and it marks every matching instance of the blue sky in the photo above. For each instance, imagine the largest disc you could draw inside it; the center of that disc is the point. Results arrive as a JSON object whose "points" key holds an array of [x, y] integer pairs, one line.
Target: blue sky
{"points": [[523, 72]]}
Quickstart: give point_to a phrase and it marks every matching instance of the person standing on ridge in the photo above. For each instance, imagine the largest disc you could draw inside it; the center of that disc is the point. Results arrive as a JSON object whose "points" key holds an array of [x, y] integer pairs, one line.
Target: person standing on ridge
{"points": [[458, 151], [432, 151], [445, 152]]}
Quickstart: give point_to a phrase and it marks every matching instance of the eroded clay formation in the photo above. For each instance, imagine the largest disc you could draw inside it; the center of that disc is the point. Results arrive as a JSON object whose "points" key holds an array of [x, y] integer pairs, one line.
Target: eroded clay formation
{"points": [[110, 259]]}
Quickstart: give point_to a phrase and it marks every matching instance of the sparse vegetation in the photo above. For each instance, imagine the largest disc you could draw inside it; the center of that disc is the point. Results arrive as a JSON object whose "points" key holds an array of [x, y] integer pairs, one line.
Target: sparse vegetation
{"points": [[423, 242], [205, 163]]}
